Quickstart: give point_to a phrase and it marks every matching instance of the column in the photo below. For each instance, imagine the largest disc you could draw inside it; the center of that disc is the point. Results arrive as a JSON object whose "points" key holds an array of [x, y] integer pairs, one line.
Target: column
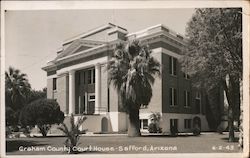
{"points": [[71, 92], [97, 88]]}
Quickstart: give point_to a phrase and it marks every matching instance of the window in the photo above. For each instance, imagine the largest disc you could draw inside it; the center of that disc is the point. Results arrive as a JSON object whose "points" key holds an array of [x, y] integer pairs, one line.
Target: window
{"points": [[83, 77], [79, 78], [198, 102], [186, 76], [80, 107], [172, 96], [173, 122], [143, 106], [172, 65], [186, 99], [91, 76], [54, 83], [144, 124], [91, 97], [187, 123], [198, 95]]}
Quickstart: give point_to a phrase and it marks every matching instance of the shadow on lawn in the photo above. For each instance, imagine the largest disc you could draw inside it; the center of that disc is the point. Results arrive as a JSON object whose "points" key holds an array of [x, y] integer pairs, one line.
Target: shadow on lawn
{"points": [[236, 139], [13, 145], [169, 136]]}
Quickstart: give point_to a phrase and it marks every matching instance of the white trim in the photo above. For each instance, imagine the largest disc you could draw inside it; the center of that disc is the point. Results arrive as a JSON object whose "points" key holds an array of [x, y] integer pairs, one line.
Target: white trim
{"points": [[79, 53], [165, 51], [138, 33], [52, 76], [88, 33], [117, 29], [90, 63]]}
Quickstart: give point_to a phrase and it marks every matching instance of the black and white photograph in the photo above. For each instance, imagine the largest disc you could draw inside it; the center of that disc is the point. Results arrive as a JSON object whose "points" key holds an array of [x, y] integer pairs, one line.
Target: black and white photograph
{"points": [[119, 79]]}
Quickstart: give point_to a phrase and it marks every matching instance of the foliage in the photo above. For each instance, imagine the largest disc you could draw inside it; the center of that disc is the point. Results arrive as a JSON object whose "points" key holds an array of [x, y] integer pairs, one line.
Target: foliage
{"points": [[72, 133], [131, 70], [154, 126], [196, 130], [17, 88], [43, 113], [36, 94], [213, 56], [214, 112], [10, 116]]}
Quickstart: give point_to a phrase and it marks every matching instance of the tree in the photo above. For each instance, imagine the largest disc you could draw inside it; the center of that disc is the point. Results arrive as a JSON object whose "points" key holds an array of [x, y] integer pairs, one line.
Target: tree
{"points": [[36, 94], [73, 132], [43, 113], [214, 54], [131, 70], [16, 91]]}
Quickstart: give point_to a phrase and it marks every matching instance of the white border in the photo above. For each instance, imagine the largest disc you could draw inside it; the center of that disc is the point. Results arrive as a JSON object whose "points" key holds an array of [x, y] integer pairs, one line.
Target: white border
{"points": [[59, 5]]}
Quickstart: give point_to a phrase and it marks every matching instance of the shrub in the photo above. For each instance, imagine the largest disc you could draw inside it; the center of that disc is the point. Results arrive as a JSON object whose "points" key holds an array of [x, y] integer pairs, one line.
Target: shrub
{"points": [[11, 117], [43, 113], [154, 128], [73, 133], [196, 131], [174, 131]]}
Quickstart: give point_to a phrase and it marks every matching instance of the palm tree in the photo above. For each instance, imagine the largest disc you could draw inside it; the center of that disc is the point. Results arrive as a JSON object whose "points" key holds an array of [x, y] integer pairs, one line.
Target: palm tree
{"points": [[72, 133], [17, 89], [132, 70]]}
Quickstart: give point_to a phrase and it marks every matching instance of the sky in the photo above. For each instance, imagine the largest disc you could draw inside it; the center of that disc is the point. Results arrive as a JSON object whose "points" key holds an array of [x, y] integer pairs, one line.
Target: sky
{"points": [[32, 37]]}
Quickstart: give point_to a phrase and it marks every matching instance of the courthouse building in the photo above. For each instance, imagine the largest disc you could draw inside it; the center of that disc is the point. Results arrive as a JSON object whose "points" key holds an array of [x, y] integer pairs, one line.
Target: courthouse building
{"points": [[78, 79]]}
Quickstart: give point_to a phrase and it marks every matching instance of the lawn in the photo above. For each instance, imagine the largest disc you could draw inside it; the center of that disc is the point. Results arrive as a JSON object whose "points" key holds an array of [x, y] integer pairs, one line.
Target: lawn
{"points": [[205, 143]]}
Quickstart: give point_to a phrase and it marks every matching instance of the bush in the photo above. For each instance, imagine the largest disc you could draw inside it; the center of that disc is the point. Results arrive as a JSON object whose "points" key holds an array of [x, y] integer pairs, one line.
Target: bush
{"points": [[11, 117], [43, 113], [196, 131], [154, 128], [174, 131]]}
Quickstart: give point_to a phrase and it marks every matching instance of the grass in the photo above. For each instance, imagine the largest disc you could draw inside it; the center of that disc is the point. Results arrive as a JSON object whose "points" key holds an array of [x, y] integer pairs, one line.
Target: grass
{"points": [[205, 143]]}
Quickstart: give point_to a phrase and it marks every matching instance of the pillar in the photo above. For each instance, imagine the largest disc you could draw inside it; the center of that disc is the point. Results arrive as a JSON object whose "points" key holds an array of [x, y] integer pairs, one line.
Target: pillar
{"points": [[97, 88], [71, 92]]}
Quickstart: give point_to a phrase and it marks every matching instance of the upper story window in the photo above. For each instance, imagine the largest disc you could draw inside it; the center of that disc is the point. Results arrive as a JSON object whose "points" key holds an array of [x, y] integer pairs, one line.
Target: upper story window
{"points": [[172, 96], [91, 76], [186, 99], [172, 66], [54, 83], [198, 95], [186, 76], [198, 102]]}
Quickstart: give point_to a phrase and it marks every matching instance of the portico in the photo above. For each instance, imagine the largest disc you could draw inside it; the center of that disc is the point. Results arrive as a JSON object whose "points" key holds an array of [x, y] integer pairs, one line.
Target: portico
{"points": [[85, 93], [90, 96]]}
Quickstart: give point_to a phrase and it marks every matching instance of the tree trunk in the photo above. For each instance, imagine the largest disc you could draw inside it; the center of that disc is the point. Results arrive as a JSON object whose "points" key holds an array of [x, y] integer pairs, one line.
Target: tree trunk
{"points": [[230, 124], [134, 123], [232, 89], [43, 129], [241, 118]]}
